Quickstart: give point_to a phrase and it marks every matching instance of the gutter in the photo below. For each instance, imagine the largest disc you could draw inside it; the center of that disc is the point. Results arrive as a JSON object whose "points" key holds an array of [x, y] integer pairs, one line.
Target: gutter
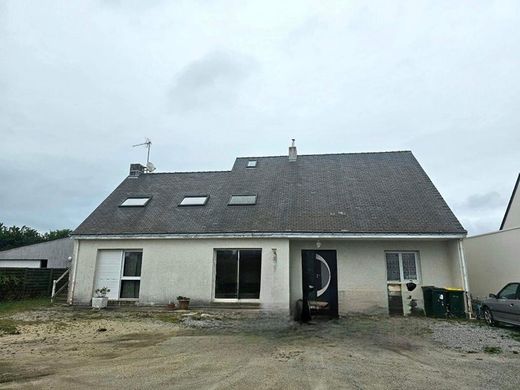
{"points": [[464, 271], [363, 236]]}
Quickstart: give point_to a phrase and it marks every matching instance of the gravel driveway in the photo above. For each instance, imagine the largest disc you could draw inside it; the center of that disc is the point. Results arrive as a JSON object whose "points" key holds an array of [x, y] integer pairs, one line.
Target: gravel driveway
{"points": [[63, 348]]}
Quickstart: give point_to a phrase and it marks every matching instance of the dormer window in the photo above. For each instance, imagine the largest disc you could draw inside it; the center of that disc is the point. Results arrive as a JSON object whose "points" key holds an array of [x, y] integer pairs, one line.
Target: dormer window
{"points": [[196, 200], [251, 164], [242, 200], [135, 202]]}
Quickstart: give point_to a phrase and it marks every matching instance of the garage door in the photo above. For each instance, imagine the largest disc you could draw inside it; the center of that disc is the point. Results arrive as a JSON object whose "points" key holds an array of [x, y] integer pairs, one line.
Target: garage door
{"points": [[20, 263], [108, 271]]}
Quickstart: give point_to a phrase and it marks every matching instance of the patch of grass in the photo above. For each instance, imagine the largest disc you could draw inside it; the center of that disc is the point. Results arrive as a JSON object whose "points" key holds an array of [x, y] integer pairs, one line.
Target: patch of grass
{"points": [[171, 318], [10, 307], [492, 350], [8, 327], [515, 336]]}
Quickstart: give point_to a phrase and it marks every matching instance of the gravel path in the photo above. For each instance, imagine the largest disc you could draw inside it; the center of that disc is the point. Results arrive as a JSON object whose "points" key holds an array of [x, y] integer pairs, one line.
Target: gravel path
{"points": [[476, 337], [63, 347]]}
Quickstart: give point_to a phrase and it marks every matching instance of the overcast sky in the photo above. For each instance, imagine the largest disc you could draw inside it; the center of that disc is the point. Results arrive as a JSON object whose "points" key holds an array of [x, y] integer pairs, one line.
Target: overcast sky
{"points": [[81, 81]]}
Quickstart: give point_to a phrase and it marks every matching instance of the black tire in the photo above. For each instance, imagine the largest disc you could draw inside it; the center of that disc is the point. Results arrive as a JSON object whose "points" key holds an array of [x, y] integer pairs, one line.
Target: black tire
{"points": [[488, 317]]}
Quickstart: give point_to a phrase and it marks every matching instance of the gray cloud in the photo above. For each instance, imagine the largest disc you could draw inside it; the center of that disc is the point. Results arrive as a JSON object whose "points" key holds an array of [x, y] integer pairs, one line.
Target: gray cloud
{"points": [[482, 212], [210, 81], [489, 200]]}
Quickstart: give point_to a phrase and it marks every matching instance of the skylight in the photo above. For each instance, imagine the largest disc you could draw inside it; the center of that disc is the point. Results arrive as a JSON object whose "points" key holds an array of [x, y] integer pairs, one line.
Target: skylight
{"points": [[251, 164], [135, 202], [239, 200], [194, 200]]}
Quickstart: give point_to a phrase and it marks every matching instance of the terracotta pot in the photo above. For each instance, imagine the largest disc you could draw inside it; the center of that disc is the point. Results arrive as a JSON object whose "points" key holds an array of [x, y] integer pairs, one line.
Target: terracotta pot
{"points": [[184, 304]]}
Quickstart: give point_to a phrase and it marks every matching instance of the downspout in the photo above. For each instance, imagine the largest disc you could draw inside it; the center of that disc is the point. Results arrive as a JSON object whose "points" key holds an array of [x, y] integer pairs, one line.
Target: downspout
{"points": [[462, 259], [74, 265]]}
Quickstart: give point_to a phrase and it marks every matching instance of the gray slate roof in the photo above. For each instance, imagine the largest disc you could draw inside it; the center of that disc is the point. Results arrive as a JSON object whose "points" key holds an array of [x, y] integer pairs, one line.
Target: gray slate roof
{"points": [[331, 193]]}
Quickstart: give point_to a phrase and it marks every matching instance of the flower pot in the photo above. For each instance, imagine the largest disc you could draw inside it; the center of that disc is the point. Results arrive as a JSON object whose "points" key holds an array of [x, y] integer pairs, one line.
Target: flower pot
{"points": [[99, 302], [170, 306], [184, 304]]}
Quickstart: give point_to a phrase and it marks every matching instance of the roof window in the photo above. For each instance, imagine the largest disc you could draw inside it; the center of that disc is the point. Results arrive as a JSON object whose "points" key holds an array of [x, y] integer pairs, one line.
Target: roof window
{"points": [[251, 164], [135, 202], [199, 200], [242, 200]]}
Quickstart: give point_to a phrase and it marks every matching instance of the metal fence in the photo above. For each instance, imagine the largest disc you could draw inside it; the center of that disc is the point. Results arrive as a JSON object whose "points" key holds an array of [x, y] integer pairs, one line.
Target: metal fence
{"points": [[20, 283]]}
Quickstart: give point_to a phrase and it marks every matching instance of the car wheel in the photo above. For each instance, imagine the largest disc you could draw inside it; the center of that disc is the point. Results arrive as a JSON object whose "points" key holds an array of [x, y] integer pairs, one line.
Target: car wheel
{"points": [[488, 316]]}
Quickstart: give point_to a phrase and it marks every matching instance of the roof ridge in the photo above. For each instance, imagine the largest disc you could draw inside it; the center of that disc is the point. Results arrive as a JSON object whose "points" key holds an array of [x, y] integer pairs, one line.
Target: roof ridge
{"points": [[186, 172], [331, 154]]}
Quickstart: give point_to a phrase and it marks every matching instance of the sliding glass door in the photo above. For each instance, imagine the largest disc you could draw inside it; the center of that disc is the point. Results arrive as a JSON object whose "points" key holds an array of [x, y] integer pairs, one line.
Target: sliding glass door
{"points": [[238, 273]]}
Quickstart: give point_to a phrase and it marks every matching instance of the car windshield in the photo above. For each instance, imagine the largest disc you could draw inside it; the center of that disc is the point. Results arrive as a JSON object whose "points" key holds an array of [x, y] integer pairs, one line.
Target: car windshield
{"points": [[509, 292]]}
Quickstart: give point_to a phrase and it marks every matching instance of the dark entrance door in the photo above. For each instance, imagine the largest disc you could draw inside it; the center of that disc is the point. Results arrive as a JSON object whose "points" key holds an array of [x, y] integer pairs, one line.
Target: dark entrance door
{"points": [[320, 281]]}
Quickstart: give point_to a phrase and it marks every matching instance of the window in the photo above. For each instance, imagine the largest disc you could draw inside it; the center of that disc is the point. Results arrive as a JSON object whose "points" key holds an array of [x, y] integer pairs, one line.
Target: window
{"points": [[199, 200], [135, 202], [242, 200], [238, 273], [401, 266], [251, 164], [131, 276], [509, 292]]}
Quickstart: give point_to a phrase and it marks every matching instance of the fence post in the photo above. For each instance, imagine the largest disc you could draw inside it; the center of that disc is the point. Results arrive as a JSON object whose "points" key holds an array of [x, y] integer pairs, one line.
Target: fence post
{"points": [[51, 278], [24, 282]]}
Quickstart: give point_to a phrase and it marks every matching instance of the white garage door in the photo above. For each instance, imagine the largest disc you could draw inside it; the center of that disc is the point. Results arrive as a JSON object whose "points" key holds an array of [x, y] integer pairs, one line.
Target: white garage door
{"points": [[108, 271], [20, 263]]}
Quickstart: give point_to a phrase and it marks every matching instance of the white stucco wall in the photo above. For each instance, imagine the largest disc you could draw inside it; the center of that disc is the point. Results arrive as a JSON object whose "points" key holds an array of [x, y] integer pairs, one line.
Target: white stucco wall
{"points": [[493, 260], [185, 267], [362, 284]]}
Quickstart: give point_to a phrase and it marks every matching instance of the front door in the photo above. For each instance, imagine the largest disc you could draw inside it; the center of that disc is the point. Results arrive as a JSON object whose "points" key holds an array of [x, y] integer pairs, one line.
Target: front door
{"points": [[320, 281]]}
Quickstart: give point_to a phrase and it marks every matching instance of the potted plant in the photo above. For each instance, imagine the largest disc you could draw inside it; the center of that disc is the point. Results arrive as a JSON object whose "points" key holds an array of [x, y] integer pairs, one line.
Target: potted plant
{"points": [[100, 301], [171, 305], [184, 302]]}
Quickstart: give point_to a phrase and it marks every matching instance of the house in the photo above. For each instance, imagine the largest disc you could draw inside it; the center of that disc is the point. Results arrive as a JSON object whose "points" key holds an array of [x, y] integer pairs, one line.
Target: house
{"points": [[49, 254], [350, 229], [494, 258]]}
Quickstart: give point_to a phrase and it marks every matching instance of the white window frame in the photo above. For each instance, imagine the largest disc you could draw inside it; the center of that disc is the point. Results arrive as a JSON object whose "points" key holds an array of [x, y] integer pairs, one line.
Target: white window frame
{"points": [[205, 197], [236, 300], [145, 200], [122, 277], [230, 203], [252, 164], [401, 269]]}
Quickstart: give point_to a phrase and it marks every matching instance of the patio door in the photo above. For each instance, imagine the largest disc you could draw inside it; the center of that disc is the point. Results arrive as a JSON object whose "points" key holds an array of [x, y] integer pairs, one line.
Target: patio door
{"points": [[320, 280], [238, 274]]}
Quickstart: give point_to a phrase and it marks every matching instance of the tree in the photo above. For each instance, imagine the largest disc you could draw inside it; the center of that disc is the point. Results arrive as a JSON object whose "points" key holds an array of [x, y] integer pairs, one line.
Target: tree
{"points": [[57, 234], [14, 236]]}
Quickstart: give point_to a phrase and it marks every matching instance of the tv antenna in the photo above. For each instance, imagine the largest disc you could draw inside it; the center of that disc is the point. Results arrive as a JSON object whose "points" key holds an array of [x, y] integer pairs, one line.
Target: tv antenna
{"points": [[148, 145]]}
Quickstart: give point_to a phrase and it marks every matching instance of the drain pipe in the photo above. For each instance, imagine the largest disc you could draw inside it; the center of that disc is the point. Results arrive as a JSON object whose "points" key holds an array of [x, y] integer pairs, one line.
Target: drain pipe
{"points": [[465, 283], [74, 266]]}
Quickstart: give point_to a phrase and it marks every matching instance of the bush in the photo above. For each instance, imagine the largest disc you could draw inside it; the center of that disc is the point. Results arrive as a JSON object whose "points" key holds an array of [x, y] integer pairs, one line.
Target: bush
{"points": [[10, 287]]}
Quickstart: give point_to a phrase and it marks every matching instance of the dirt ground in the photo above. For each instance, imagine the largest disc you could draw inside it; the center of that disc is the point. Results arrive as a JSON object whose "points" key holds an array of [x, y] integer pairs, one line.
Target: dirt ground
{"points": [[62, 347]]}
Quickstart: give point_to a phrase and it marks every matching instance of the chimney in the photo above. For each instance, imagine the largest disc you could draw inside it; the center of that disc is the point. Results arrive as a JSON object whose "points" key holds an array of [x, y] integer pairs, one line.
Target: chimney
{"points": [[293, 155], [136, 170]]}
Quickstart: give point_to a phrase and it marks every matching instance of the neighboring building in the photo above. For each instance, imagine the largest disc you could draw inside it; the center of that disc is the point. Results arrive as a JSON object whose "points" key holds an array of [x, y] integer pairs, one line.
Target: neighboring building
{"points": [[356, 227], [49, 254], [494, 258]]}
